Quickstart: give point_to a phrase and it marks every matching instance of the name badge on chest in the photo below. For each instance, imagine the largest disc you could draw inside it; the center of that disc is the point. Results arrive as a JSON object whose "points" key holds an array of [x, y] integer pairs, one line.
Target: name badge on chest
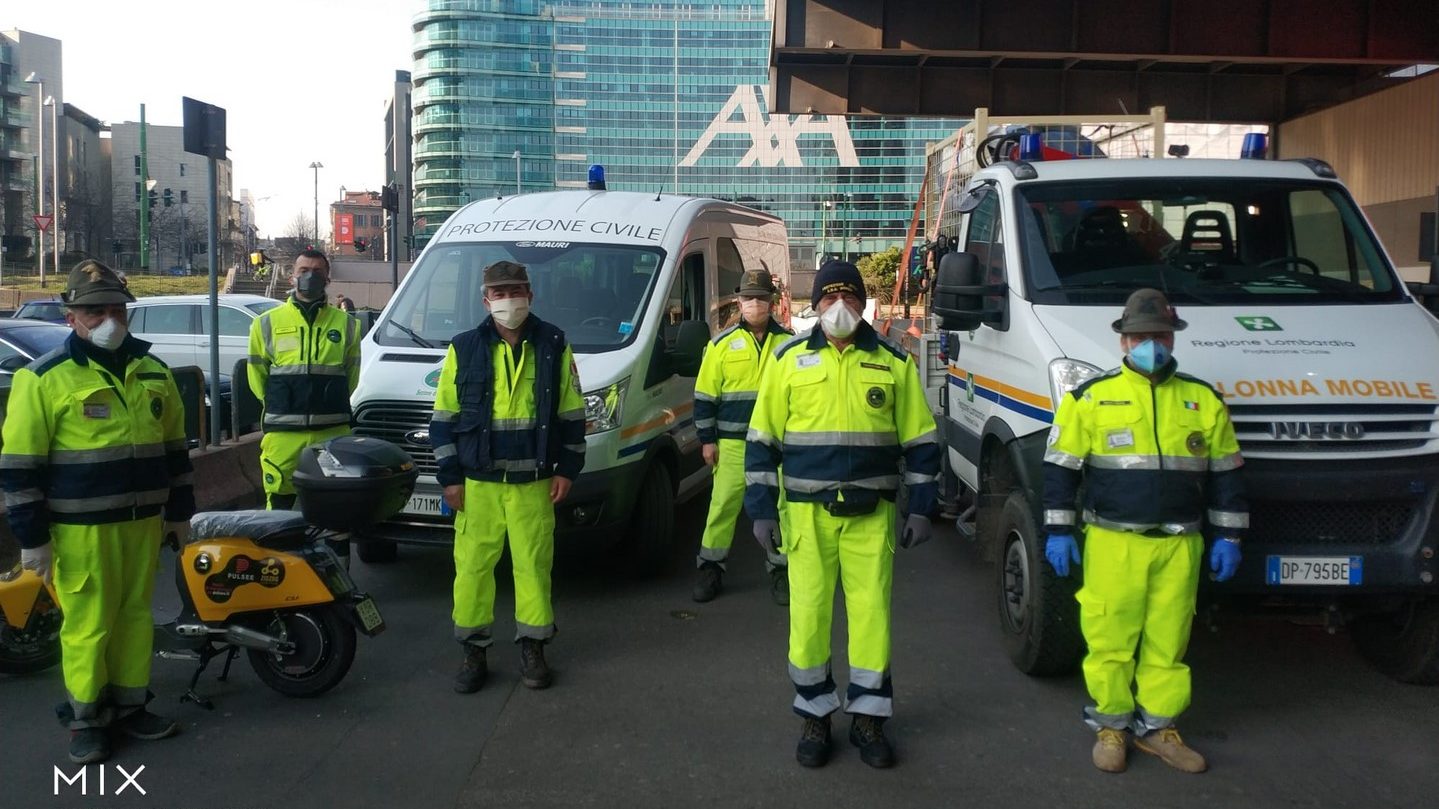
{"points": [[737, 344], [97, 411], [806, 360], [1120, 438]]}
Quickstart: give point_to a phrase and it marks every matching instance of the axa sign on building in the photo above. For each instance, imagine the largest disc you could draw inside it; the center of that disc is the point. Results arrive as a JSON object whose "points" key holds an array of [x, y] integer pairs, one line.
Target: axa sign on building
{"points": [[774, 139]]}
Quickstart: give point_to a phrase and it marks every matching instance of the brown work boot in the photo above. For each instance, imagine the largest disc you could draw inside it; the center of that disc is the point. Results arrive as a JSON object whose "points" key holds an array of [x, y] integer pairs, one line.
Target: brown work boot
{"points": [[1111, 748], [534, 671], [1166, 744], [471, 676]]}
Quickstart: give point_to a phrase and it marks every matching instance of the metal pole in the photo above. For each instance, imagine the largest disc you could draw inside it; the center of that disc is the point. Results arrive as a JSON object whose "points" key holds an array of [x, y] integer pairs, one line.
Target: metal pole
{"points": [[40, 185], [316, 167], [54, 185], [144, 197], [394, 249], [214, 257]]}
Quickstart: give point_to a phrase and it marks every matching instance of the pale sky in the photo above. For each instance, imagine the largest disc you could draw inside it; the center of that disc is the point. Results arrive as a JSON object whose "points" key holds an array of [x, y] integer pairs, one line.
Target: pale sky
{"points": [[301, 81]]}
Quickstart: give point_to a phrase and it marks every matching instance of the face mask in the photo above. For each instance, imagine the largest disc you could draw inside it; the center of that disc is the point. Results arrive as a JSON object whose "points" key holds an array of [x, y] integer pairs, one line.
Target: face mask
{"points": [[1149, 356], [311, 285], [839, 321], [755, 313], [109, 335], [510, 312]]}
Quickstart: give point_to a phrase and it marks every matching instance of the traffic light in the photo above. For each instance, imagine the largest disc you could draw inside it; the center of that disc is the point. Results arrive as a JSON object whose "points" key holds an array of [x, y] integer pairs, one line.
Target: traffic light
{"points": [[361, 244], [169, 198], [390, 198], [154, 195]]}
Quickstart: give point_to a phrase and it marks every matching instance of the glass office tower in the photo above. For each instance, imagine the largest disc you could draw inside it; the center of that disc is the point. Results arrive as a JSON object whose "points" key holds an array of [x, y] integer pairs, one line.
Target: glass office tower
{"points": [[668, 96]]}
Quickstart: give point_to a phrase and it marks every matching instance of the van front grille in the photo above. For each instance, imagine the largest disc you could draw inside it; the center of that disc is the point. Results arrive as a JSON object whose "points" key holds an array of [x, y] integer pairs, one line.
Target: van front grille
{"points": [[404, 424]]}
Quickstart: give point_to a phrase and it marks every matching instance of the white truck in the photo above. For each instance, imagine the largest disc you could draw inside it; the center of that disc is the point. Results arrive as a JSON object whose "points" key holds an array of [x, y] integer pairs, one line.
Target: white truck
{"points": [[638, 282], [1296, 315]]}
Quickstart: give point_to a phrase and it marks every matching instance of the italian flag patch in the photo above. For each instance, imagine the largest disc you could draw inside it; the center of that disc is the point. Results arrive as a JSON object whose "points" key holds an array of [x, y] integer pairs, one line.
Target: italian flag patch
{"points": [[1188, 405]]}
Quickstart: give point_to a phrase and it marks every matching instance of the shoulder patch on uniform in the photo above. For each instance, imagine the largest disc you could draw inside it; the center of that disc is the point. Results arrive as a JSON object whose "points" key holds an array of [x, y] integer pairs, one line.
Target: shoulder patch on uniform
{"points": [[1086, 384], [797, 340], [1196, 380], [720, 338]]}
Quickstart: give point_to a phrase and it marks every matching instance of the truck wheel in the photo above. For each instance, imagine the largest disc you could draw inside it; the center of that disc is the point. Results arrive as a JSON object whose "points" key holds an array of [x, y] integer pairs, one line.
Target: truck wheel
{"points": [[1037, 611], [1404, 644], [377, 551], [651, 527]]}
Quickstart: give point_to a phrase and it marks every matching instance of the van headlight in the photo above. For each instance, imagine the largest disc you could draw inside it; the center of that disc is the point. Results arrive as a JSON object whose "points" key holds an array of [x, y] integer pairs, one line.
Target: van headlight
{"points": [[1065, 375], [603, 407]]}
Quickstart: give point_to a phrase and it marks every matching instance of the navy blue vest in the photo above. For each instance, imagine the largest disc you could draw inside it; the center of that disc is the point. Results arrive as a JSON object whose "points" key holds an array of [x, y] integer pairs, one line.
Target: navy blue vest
{"points": [[475, 378]]}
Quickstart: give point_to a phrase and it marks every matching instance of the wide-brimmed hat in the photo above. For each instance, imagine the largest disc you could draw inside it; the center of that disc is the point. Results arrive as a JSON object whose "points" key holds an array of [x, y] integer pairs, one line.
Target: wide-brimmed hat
{"points": [[93, 284], [1146, 311], [506, 272], [757, 283]]}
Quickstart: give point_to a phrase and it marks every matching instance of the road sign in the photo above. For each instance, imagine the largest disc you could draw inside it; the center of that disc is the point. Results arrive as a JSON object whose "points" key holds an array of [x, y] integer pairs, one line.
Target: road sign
{"points": [[43, 221]]}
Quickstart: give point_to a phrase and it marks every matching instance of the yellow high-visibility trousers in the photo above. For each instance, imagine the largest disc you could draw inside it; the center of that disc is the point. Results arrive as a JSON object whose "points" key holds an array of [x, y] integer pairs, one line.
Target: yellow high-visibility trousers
{"points": [[726, 500], [859, 552], [493, 511], [104, 579], [1138, 594], [280, 452]]}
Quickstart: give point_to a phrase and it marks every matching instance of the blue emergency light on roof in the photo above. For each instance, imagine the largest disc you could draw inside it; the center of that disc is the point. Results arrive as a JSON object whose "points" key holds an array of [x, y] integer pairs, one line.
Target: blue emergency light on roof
{"points": [[1031, 146], [597, 178], [1255, 146]]}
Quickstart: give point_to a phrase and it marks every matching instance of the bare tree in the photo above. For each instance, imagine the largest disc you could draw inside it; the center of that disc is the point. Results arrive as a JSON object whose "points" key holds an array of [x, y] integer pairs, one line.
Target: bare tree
{"points": [[301, 228]]}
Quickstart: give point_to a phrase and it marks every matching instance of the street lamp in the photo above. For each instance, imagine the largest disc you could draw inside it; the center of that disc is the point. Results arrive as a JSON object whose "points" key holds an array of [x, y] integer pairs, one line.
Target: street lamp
{"points": [[845, 219], [317, 165], [34, 78], [516, 157], [824, 229], [54, 182]]}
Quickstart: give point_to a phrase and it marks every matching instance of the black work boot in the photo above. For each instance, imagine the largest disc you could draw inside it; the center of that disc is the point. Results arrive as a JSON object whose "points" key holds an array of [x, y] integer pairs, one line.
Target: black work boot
{"points": [[814, 742], [89, 745], [147, 726], [779, 586], [473, 671], [708, 583], [534, 671], [867, 733]]}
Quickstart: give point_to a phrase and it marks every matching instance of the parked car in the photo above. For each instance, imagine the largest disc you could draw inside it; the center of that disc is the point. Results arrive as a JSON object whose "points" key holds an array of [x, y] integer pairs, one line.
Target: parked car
{"points": [[178, 327], [50, 310], [22, 340]]}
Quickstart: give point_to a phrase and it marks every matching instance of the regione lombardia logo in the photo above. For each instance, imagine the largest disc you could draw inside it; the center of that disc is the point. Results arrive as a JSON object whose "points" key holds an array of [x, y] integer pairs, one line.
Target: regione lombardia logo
{"points": [[774, 139]]}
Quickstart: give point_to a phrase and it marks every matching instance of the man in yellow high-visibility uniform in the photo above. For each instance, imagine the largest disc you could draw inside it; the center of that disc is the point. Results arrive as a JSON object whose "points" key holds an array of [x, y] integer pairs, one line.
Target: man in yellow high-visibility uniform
{"points": [[1157, 454], [96, 469], [844, 413], [725, 392], [304, 364], [509, 438]]}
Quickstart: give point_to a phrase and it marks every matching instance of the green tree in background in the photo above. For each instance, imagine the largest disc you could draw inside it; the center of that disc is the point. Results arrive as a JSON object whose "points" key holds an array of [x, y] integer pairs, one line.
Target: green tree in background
{"points": [[879, 271]]}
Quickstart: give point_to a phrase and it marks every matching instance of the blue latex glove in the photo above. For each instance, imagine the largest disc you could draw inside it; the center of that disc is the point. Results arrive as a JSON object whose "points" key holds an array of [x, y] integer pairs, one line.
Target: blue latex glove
{"points": [[1224, 559], [766, 532], [1059, 549]]}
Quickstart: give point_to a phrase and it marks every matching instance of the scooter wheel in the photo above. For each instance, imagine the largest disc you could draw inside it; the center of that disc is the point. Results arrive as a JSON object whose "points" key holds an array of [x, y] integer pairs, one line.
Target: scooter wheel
{"points": [[32, 650], [324, 649]]}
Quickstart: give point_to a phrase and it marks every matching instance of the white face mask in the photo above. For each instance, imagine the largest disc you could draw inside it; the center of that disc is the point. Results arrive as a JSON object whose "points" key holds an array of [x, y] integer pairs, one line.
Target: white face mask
{"points": [[755, 312], [109, 335], [510, 312], [839, 321]]}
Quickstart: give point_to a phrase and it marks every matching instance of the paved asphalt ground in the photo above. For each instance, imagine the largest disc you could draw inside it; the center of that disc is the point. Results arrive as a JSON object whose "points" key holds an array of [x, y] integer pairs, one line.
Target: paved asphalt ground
{"points": [[662, 702]]}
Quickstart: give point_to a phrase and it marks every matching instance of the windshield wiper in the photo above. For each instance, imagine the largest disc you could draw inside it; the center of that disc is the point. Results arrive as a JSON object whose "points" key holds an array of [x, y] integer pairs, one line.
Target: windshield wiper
{"points": [[1112, 284], [413, 336]]}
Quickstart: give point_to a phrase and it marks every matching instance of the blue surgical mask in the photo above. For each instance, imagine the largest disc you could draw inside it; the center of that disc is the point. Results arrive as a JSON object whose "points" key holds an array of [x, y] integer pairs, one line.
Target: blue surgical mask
{"points": [[1149, 356]]}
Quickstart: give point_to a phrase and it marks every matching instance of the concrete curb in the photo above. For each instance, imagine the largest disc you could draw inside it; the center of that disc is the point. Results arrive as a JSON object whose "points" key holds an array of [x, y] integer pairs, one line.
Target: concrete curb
{"points": [[227, 476]]}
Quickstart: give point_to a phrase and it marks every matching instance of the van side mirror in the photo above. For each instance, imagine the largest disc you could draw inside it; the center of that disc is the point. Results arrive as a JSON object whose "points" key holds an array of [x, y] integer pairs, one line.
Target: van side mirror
{"points": [[1427, 293], [689, 347], [959, 294]]}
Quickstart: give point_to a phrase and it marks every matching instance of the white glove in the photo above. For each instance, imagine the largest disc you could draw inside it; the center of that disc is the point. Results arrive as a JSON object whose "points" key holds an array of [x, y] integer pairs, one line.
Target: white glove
{"points": [[39, 559], [180, 528]]}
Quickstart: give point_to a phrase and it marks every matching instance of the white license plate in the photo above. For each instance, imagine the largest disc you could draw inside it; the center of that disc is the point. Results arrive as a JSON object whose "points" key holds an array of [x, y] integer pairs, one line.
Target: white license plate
{"points": [[369, 614], [428, 505], [1343, 571]]}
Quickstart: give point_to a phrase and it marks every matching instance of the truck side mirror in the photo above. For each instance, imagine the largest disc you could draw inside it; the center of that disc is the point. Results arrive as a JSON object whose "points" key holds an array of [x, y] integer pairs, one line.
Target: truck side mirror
{"points": [[1427, 293], [689, 347], [959, 294]]}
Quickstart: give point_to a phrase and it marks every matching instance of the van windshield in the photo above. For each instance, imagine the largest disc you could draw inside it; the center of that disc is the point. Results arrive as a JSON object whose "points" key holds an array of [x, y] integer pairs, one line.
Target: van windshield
{"points": [[1211, 240], [596, 293]]}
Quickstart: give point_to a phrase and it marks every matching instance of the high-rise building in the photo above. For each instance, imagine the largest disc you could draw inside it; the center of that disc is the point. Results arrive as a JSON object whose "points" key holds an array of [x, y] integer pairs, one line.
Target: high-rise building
{"points": [[180, 216], [30, 65], [85, 186], [668, 95]]}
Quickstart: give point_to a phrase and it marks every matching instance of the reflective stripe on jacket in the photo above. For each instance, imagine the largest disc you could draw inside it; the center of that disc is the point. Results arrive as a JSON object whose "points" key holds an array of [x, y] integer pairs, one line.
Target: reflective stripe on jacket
{"points": [[83, 446], [729, 380], [1154, 457], [304, 372], [845, 426]]}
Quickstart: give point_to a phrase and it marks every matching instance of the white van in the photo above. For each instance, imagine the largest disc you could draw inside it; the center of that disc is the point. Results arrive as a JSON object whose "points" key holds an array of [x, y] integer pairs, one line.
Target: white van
{"points": [[1296, 316], [638, 282]]}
